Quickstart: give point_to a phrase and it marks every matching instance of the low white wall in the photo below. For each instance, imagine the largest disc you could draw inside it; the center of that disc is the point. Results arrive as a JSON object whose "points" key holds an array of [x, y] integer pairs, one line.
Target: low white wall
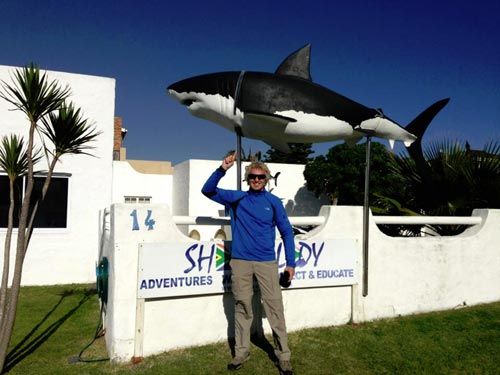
{"points": [[414, 275], [406, 275]]}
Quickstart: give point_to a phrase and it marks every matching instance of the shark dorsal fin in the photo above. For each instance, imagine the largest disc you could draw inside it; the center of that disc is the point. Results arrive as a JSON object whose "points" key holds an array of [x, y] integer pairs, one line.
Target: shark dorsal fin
{"points": [[297, 64]]}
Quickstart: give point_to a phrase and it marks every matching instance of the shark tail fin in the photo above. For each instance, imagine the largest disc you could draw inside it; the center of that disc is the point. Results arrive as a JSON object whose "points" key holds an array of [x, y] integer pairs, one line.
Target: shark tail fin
{"points": [[418, 127]]}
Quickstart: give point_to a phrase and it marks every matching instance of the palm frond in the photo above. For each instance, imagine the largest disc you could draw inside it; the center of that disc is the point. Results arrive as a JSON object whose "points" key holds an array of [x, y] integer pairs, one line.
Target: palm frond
{"points": [[69, 132], [488, 160], [13, 156], [403, 165], [392, 206], [32, 93], [456, 180]]}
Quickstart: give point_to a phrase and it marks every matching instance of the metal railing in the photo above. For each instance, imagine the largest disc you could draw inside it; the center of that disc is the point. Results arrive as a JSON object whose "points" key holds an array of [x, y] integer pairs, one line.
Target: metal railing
{"points": [[319, 220]]}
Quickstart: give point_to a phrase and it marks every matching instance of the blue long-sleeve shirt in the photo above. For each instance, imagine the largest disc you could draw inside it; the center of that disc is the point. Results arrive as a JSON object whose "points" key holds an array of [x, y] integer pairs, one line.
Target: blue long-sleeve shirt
{"points": [[254, 217]]}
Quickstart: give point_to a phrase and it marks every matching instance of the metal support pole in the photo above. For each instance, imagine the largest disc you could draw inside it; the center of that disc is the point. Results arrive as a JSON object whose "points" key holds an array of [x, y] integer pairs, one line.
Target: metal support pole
{"points": [[237, 129], [366, 212], [238, 159]]}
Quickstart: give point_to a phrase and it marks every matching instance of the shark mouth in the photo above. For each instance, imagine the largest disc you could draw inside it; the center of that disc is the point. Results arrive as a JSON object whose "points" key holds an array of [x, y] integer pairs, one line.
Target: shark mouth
{"points": [[184, 98], [188, 102]]}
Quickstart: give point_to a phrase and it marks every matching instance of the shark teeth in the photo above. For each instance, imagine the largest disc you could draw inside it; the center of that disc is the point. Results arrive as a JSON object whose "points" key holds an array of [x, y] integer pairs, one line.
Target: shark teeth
{"points": [[391, 143]]}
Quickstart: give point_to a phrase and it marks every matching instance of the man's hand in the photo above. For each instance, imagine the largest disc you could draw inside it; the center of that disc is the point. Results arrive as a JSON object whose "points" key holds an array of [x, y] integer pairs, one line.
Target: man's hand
{"points": [[291, 271], [228, 161]]}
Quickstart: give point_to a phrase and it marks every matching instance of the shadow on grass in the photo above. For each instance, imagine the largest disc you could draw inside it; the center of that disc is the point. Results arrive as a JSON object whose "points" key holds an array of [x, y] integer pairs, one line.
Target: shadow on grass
{"points": [[30, 342]]}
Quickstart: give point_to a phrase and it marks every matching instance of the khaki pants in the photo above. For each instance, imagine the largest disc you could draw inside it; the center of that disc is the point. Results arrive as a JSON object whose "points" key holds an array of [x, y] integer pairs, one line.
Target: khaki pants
{"points": [[267, 276]]}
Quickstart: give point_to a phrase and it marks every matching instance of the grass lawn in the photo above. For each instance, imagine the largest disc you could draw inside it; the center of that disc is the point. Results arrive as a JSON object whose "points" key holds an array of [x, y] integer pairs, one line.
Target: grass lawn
{"points": [[55, 323]]}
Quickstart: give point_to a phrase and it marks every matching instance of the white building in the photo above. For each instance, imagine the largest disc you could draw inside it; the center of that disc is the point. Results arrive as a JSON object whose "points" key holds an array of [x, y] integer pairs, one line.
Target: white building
{"points": [[64, 244]]}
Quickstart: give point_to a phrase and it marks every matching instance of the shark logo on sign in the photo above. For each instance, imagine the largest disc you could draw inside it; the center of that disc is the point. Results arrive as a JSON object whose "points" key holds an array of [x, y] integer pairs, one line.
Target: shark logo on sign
{"points": [[287, 107]]}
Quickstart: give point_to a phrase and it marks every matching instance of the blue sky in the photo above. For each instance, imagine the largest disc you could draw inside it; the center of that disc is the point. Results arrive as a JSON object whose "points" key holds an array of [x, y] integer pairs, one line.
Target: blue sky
{"points": [[400, 56]]}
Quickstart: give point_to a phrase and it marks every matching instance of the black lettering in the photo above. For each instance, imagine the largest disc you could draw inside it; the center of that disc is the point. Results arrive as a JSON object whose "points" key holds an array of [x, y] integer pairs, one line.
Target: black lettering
{"points": [[188, 257], [317, 254], [201, 258]]}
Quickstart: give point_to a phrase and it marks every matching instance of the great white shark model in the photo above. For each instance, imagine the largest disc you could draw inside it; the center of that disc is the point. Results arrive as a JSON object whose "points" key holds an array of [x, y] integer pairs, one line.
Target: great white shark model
{"points": [[287, 107]]}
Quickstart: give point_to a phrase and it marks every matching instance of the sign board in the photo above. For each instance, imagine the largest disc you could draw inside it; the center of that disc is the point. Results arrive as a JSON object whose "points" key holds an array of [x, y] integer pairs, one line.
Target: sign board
{"points": [[178, 269]]}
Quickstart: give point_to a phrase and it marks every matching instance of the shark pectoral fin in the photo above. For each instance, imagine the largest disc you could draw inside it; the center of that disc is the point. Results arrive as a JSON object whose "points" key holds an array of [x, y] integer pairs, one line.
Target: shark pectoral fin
{"points": [[352, 140], [270, 118], [268, 128], [278, 145]]}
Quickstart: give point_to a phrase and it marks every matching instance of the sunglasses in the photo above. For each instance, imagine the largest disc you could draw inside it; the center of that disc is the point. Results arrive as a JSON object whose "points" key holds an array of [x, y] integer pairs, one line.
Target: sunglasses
{"points": [[252, 176]]}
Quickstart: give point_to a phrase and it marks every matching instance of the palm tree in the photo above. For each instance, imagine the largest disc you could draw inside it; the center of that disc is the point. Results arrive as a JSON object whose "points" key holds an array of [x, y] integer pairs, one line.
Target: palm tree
{"points": [[14, 161], [452, 180], [69, 133], [64, 128]]}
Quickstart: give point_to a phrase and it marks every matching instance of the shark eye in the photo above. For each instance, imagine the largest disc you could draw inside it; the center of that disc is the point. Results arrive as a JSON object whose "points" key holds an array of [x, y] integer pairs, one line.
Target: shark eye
{"points": [[187, 102]]}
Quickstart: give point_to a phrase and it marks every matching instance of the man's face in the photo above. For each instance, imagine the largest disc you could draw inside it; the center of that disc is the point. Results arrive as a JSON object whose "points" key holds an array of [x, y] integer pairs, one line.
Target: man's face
{"points": [[257, 179]]}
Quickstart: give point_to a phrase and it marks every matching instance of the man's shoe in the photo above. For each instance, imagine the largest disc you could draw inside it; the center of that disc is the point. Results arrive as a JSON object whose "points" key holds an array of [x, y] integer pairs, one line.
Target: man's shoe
{"points": [[237, 363], [285, 367]]}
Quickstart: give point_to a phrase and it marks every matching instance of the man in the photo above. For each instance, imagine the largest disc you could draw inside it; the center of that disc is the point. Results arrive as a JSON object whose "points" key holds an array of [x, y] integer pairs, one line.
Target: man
{"points": [[255, 214]]}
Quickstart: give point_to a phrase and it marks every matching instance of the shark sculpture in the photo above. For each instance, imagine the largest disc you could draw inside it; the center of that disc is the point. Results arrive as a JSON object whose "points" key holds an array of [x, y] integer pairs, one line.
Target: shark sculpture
{"points": [[287, 107]]}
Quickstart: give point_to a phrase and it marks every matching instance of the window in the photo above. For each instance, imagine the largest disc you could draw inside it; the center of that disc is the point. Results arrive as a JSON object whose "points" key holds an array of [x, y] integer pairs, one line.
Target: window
{"points": [[137, 199], [5, 200], [51, 213]]}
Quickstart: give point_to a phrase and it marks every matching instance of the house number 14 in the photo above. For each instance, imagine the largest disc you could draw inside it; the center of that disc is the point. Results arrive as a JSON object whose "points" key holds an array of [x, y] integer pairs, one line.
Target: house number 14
{"points": [[149, 222]]}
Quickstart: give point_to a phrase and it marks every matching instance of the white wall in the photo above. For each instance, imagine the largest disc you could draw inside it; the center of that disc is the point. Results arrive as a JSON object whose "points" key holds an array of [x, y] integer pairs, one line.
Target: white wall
{"points": [[406, 275], [120, 246], [58, 256], [180, 192], [414, 275], [190, 176], [129, 182]]}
